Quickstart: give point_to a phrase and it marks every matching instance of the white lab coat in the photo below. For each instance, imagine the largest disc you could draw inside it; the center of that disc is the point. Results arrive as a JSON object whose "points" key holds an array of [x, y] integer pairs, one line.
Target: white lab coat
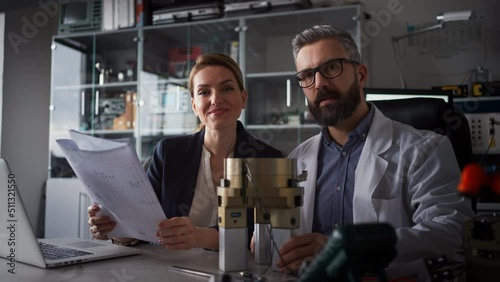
{"points": [[405, 177]]}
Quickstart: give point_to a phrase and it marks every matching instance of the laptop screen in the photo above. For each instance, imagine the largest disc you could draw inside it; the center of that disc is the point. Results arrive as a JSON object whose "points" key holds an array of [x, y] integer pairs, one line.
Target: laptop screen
{"points": [[17, 240]]}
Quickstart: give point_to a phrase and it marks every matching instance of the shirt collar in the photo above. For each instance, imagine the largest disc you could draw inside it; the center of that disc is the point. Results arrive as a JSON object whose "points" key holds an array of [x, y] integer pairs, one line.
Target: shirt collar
{"points": [[365, 124]]}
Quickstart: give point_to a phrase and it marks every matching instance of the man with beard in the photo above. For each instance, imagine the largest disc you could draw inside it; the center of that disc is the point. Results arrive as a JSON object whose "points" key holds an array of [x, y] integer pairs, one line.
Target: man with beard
{"points": [[363, 167]]}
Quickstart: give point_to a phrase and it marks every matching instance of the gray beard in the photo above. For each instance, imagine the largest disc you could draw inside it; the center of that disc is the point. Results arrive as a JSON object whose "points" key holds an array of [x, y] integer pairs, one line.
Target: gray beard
{"points": [[340, 110]]}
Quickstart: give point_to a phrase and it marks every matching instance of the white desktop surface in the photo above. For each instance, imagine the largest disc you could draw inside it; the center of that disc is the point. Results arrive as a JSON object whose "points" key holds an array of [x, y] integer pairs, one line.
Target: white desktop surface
{"points": [[152, 265]]}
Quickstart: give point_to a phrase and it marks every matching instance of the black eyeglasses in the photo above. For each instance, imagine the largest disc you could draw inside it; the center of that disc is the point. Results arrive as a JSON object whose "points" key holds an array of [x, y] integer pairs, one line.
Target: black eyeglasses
{"points": [[329, 69]]}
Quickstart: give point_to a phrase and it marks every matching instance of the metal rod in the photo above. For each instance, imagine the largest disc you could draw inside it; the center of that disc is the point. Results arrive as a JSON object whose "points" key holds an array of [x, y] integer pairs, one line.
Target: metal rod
{"points": [[191, 271], [418, 31]]}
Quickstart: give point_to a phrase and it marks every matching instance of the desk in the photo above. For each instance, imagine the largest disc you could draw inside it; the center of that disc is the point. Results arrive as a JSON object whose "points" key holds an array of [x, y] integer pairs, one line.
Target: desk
{"points": [[152, 265]]}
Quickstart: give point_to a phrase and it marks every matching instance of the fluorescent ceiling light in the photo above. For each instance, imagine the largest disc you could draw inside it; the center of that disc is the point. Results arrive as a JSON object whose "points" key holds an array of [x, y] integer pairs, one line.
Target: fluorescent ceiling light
{"points": [[456, 16]]}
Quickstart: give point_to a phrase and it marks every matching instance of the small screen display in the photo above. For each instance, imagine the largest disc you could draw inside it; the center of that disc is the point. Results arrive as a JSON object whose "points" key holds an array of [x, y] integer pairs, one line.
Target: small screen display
{"points": [[74, 12]]}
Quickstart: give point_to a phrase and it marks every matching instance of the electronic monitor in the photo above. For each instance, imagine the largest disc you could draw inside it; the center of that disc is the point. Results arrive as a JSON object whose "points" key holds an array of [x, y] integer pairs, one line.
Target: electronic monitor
{"points": [[78, 16]]}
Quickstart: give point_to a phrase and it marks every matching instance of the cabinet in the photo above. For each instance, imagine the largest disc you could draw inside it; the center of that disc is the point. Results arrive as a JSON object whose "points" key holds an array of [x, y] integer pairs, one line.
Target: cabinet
{"points": [[133, 83], [93, 89]]}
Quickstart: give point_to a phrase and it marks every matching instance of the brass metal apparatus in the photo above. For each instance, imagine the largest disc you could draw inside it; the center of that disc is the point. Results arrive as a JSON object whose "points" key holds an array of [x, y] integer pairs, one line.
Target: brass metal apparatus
{"points": [[270, 186]]}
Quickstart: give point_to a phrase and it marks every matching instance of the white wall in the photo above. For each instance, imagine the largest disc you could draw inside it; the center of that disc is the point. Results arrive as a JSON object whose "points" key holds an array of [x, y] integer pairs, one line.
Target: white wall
{"points": [[477, 47], [26, 97]]}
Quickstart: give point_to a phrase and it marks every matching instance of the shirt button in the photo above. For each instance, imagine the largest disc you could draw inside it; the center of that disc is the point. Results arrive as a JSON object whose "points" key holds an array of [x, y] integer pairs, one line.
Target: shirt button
{"points": [[336, 225], [363, 135], [339, 188], [344, 153]]}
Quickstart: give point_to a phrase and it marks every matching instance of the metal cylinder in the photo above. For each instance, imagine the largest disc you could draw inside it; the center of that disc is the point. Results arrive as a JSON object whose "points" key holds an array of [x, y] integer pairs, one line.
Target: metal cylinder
{"points": [[280, 236], [263, 246], [233, 249]]}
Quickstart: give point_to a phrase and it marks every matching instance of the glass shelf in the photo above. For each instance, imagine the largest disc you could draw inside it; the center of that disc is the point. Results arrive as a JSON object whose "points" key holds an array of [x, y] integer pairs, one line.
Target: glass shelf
{"points": [[111, 85]]}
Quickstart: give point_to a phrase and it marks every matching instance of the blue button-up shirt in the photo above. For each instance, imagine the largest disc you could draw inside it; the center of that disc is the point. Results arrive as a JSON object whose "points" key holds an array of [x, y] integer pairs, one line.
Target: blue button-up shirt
{"points": [[335, 178]]}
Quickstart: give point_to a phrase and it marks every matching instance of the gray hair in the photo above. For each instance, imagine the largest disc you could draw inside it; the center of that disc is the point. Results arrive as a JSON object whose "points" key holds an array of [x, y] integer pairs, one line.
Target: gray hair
{"points": [[320, 32]]}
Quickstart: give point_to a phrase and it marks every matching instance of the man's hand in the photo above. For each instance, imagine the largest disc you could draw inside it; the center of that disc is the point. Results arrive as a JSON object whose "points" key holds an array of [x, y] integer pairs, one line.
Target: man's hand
{"points": [[177, 233], [299, 248]]}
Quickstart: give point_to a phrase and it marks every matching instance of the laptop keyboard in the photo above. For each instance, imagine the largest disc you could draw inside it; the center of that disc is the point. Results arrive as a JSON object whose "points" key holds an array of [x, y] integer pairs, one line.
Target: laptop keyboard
{"points": [[53, 252]]}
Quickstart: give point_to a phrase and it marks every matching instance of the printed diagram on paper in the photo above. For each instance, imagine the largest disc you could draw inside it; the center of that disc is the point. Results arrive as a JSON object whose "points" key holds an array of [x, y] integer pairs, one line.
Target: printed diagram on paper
{"points": [[113, 175]]}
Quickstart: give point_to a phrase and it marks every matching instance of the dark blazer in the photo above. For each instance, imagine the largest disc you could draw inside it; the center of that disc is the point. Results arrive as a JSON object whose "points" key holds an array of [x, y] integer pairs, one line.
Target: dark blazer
{"points": [[175, 163]]}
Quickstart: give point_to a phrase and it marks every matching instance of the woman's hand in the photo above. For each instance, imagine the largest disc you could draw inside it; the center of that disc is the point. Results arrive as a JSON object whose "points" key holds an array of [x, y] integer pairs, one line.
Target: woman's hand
{"points": [[177, 233], [100, 226]]}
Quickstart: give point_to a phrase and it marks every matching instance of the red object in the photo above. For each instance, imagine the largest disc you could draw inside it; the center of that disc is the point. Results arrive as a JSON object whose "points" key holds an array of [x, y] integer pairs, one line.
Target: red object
{"points": [[181, 60], [142, 13], [473, 178]]}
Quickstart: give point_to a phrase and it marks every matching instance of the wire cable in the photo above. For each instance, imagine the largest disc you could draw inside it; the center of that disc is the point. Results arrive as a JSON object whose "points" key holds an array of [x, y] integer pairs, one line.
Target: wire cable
{"points": [[248, 174], [466, 76], [491, 141]]}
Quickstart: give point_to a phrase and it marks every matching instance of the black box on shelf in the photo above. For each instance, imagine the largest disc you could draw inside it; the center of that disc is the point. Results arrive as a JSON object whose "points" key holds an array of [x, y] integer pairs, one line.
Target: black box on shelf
{"points": [[253, 6], [186, 11], [161, 4]]}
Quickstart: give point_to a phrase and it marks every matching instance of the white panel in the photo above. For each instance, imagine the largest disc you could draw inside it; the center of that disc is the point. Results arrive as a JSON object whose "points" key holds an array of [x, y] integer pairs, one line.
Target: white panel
{"points": [[480, 128], [66, 209]]}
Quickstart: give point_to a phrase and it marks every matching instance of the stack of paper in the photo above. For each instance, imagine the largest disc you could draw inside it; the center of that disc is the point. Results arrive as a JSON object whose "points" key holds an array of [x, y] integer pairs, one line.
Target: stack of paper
{"points": [[115, 179]]}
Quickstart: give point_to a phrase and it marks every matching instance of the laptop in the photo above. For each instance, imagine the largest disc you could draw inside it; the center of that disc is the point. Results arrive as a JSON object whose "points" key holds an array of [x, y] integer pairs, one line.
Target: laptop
{"points": [[19, 244]]}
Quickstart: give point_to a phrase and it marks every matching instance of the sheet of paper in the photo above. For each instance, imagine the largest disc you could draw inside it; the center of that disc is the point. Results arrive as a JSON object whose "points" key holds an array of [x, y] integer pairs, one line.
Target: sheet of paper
{"points": [[115, 179]]}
